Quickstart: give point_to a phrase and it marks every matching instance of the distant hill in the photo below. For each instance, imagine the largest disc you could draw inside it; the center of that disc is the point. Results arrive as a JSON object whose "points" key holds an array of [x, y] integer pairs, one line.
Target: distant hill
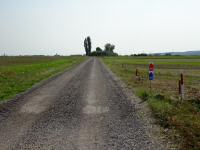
{"points": [[187, 53]]}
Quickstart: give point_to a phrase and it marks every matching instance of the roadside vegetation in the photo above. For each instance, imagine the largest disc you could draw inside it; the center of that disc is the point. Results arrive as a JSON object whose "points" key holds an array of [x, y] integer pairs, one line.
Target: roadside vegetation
{"points": [[108, 49], [17, 74], [179, 118]]}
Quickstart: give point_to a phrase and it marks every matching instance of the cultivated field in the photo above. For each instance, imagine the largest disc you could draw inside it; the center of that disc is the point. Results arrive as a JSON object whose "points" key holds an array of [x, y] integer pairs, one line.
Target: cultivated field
{"points": [[182, 117], [17, 74]]}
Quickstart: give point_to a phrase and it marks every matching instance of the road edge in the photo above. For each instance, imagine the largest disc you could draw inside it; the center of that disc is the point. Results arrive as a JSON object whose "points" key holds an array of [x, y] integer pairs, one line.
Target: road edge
{"points": [[8, 104]]}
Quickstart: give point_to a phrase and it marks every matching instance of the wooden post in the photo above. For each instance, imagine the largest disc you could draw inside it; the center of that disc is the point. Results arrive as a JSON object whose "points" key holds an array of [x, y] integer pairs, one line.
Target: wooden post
{"points": [[182, 79], [181, 87], [137, 77], [136, 72]]}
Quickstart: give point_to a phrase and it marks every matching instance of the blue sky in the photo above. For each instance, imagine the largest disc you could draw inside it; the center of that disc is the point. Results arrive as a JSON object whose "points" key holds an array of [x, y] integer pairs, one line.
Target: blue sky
{"points": [[134, 26]]}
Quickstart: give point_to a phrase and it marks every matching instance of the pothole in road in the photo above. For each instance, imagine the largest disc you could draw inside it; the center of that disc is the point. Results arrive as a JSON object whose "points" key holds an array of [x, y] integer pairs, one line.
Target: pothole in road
{"points": [[89, 109]]}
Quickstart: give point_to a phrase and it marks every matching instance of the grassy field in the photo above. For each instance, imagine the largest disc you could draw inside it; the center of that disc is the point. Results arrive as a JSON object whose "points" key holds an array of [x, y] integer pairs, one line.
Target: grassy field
{"points": [[17, 74], [181, 117]]}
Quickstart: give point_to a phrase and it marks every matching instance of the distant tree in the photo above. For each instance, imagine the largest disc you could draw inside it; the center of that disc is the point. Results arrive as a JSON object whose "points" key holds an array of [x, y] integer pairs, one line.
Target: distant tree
{"points": [[168, 54], [108, 51], [109, 48], [87, 45], [99, 51], [143, 54], [94, 53]]}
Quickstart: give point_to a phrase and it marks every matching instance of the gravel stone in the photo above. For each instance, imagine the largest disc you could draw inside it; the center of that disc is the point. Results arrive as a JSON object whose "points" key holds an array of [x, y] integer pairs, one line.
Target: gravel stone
{"points": [[84, 108]]}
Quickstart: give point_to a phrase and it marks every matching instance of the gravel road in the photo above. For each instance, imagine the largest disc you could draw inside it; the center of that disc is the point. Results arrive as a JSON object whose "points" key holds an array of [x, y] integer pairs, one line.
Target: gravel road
{"points": [[81, 109]]}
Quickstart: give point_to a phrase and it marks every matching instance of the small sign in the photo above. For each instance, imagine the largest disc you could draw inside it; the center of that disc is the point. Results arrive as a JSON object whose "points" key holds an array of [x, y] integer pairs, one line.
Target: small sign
{"points": [[151, 71], [151, 75], [151, 67]]}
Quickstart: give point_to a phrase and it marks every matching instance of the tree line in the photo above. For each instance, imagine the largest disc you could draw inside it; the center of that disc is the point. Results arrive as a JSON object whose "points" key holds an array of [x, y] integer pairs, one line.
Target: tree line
{"points": [[107, 51]]}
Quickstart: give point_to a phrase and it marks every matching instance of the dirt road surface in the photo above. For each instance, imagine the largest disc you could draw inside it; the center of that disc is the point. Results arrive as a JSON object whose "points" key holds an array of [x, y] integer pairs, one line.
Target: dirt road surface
{"points": [[82, 109]]}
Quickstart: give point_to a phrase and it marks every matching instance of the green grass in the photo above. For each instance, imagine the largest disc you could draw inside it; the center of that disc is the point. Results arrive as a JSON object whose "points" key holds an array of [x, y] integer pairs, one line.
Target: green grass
{"points": [[171, 61], [183, 117], [17, 74]]}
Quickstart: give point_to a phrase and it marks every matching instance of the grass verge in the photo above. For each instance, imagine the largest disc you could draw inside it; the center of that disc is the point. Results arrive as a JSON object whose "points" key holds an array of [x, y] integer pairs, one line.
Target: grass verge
{"points": [[183, 117]]}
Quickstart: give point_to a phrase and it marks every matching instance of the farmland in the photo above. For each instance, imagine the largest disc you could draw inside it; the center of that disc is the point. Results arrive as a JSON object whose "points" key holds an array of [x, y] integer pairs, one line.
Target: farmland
{"points": [[17, 74], [182, 117]]}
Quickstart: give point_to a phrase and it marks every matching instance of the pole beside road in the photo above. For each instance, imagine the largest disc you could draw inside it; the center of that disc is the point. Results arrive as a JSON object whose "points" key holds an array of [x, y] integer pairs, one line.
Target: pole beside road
{"points": [[151, 73]]}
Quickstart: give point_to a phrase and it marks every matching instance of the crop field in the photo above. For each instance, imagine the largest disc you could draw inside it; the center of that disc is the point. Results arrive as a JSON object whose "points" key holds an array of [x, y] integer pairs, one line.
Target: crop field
{"points": [[17, 74], [181, 116]]}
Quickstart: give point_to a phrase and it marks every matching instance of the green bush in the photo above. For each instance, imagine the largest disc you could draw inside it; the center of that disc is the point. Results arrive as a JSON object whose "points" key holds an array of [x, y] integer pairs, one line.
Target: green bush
{"points": [[143, 94]]}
